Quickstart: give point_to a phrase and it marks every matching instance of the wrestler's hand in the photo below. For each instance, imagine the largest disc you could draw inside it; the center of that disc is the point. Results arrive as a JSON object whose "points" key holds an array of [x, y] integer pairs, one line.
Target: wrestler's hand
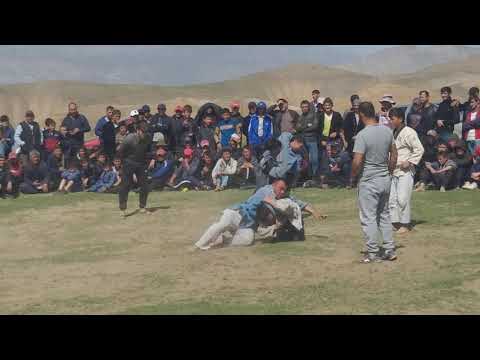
{"points": [[268, 200]]}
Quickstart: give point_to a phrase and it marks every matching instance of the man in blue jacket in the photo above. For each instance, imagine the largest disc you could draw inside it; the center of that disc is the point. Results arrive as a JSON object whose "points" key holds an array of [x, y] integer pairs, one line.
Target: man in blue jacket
{"points": [[104, 120], [77, 125], [161, 168], [288, 161], [260, 129]]}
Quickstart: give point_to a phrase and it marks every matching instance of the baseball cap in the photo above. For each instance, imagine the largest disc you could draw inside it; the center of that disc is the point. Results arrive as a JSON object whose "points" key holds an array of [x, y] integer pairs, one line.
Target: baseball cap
{"points": [[188, 152], [179, 108], [235, 138], [261, 105], [387, 98], [146, 108], [29, 113], [134, 113], [235, 104], [204, 143]]}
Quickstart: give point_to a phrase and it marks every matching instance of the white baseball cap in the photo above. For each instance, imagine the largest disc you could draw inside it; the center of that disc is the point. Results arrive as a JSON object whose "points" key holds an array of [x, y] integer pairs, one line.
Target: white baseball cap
{"points": [[134, 113]]}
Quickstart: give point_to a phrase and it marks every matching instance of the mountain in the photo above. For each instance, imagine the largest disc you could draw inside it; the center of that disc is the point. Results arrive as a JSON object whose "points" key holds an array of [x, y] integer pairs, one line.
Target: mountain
{"points": [[408, 59]]}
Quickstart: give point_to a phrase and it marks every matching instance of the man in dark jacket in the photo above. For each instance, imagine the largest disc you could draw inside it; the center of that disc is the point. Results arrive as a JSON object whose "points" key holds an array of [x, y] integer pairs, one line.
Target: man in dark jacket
{"points": [[36, 176], [307, 127], [425, 113], [206, 132], [252, 110], [160, 124], [77, 125], [175, 142], [463, 161], [28, 136], [284, 120], [352, 125], [160, 169], [134, 151], [447, 115]]}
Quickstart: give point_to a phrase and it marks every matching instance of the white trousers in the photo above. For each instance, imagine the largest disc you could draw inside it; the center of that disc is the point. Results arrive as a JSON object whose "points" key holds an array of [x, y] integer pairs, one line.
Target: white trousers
{"points": [[400, 198], [229, 222]]}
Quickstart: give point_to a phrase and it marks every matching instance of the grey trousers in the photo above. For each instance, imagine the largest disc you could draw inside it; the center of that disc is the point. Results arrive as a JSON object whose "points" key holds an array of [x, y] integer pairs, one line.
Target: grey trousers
{"points": [[400, 198], [373, 202], [229, 222]]}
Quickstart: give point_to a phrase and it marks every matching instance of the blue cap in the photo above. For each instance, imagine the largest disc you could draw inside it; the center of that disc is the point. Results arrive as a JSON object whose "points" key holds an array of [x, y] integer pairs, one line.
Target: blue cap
{"points": [[262, 104], [146, 108]]}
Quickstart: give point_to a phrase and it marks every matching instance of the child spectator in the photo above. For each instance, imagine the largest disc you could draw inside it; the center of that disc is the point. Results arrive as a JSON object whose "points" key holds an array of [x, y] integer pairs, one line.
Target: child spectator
{"points": [[7, 138], [187, 170], [16, 172], [82, 154], [205, 174], [207, 132], [86, 173], [442, 172], [71, 179], [36, 176], [118, 169], [223, 170], [226, 127], [246, 166], [105, 181], [474, 182], [56, 166], [189, 129], [337, 166], [160, 169], [6, 187], [66, 143], [463, 162], [51, 137]]}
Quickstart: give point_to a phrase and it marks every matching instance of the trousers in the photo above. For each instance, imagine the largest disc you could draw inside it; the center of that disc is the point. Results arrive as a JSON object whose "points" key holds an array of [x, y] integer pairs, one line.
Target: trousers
{"points": [[130, 168], [400, 198]]}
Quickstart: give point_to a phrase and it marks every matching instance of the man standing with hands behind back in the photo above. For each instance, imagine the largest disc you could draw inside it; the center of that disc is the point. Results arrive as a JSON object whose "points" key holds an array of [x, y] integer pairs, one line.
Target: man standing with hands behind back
{"points": [[77, 125], [375, 158]]}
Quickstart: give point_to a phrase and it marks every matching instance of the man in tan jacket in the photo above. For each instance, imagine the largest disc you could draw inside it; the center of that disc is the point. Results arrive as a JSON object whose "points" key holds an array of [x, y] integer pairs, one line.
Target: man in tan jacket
{"points": [[410, 152]]}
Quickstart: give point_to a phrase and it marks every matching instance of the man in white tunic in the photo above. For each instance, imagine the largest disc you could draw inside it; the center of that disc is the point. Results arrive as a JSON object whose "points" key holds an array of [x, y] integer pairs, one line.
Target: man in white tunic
{"points": [[410, 152]]}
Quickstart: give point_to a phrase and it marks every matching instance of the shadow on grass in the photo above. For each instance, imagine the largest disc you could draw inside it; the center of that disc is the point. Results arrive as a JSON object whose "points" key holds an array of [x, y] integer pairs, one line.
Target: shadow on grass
{"points": [[155, 208]]}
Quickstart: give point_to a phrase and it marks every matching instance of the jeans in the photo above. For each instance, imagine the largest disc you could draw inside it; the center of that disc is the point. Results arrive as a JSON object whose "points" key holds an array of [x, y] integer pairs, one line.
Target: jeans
{"points": [[130, 168], [222, 181], [312, 148]]}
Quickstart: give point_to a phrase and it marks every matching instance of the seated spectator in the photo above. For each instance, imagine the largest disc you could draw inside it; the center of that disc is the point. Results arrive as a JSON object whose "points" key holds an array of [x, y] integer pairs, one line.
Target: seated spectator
{"points": [[246, 167], [36, 176], [6, 186], [474, 181], [223, 170], [71, 180], [98, 164], [86, 173], [118, 169], [430, 143], [82, 154], [7, 138], [51, 138], [184, 175], [55, 165], [105, 181], [337, 166], [160, 169], [205, 174], [16, 173], [463, 162], [235, 140], [441, 172]]}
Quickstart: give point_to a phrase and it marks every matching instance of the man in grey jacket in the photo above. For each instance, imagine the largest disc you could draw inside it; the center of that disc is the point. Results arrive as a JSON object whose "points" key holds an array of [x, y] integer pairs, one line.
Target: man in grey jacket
{"points": [[307, 127], [288, 161]]}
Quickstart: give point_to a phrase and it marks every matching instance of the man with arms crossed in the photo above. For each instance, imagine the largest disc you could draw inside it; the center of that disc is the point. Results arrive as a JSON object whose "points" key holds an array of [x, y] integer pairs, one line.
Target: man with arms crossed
{"points": [[410, 151], [375, 157]]}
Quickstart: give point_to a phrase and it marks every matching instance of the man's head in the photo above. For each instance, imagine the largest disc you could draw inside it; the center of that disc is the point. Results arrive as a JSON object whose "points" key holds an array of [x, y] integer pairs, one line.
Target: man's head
{"points": [[109, 112], [34, 157], [366, 111], [116, 115], [207, 158], [146, 110], [315, 95], [355, 105], [123, 129], [424, 97], [204, 144], [226, 154], [4, 121], [57, 152], [162, 109], [82, 152], [282, 104], [187, 111], [29, 116], [442, 157], [279, 188], [252, 107], [161, 153], [445, 92], [50, 124], [353, 98], [179, 110], [261, 108], [247, 153], [208, 120], [305, 106], [235, 107], [387, 102], [141, 129], [102, 158], [226, 114], [296, 143], [72, 109], [442, 146], [397, 117], [460, 149], [474, 102], [117, 162], [473, 91], [328, 105]]}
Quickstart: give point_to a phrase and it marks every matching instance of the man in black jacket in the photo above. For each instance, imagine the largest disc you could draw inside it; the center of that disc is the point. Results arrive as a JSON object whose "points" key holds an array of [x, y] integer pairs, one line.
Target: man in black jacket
{"points": [[134, 151], [284, 120], [28, 136], [36, 176], [447, 115], [77, 125], [425, 111], [352, 125], [252, 110], [307, 127]]}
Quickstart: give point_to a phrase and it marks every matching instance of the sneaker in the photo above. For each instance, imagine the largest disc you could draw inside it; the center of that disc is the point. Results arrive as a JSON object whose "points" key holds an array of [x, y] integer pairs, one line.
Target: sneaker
{"points": [[474, 186], [466, 185], [442, 189], [421, 187], [389, 256], [371, 257]]}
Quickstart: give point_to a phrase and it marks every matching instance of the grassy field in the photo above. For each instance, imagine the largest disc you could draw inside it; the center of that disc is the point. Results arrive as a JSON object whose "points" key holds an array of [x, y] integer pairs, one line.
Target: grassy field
{"points": [[73, 254]]}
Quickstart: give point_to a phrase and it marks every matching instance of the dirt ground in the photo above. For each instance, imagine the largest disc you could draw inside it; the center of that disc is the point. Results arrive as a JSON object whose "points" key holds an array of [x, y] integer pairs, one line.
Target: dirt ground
{"points": [[73, 254]]}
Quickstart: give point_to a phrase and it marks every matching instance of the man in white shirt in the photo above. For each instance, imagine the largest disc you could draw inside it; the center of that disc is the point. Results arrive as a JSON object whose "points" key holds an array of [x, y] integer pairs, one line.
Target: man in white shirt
{"points": [[410, 151]]}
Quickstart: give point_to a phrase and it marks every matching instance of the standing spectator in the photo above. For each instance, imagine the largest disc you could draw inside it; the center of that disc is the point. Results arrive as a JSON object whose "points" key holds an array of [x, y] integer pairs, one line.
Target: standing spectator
{"points": [[375, 156], [146, 114], [246, 166], [409, 153], [104, 120], [387, 104], [474, 181], [330, 124], [314, 104], [206, 132], [28, 136], [105, 130], [8, 137], [36, 176], [308, 127], [447, 115], [260, 129], [176, 143], [252, 110], [133, 152], [51, 138], [77, 125], [352, 125], [71, 180], [442, 172], [6, 186], [121, 134], [223, 171], [66, 144], [465, 107], [160, 126], [471, 125], [226, 127], [284, 120], [116, 116], [463, 162], [287, 162], [189, 129], [425, 115], [354, 99]]}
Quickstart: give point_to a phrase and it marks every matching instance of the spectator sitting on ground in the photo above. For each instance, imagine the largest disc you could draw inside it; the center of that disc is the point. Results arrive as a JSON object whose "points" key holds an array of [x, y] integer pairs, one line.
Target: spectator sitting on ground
{"points": [[105, 181], [55, 165], [118, 169], [337, 167], [160, 169], [224, 169], [86, 174], [205, 174], [463, 162], [16, 173], [71, 180], [474, 181], [36, 176], [235, 140], [442, 172], [246, 167], [186, 172], [6, 186]]}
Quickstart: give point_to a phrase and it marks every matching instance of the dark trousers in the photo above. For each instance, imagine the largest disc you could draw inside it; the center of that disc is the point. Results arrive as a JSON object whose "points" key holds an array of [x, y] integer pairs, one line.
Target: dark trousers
{"points": [[445, 179], [28, 188], [130, 168], [461, 175]]}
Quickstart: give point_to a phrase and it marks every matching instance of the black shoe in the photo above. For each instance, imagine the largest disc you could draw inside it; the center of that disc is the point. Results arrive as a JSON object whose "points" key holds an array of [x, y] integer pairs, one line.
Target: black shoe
{"points": [[371, 258], [389, 256]]}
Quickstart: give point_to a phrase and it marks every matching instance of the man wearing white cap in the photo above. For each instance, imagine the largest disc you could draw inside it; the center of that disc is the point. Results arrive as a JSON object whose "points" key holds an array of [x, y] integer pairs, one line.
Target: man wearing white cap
{"points": [[387, 103]]}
